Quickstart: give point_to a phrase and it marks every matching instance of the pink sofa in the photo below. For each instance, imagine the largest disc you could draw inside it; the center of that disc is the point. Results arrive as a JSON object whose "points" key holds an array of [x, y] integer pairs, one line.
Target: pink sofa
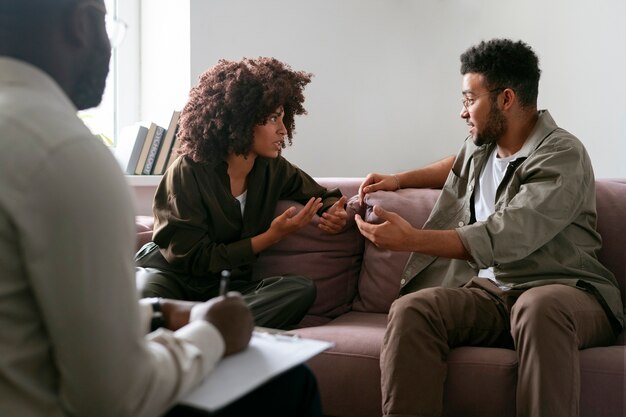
{"points": [[357, 282]]}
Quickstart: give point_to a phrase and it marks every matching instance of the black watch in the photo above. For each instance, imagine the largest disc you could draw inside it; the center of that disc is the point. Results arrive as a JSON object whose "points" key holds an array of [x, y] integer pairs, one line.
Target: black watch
{"points": [[157, 315]]}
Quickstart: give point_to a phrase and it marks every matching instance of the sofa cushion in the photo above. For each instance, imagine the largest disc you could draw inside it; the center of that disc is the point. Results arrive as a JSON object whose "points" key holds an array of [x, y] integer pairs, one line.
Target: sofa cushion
{"points": [[331, 261], [379, 280], [350, 369], [602, 381], [353, 365]]}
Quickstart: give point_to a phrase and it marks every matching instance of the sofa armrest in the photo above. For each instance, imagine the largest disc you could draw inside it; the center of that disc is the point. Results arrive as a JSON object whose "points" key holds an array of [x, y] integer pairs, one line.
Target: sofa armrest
{"points": [[143, 228]]}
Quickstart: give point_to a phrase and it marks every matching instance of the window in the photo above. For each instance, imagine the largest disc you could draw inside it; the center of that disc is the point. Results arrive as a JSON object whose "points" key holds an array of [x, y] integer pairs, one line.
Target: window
{"points": [[119, 105]]}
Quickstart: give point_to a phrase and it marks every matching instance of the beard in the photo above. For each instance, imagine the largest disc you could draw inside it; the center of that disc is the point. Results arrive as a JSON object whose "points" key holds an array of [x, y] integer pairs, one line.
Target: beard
{"points": [[90, 85], [494, 129]]}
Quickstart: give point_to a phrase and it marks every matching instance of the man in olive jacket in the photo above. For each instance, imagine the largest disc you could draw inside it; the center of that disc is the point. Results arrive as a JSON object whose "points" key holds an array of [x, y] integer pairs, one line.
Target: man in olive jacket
{"points": [[508, 256]]}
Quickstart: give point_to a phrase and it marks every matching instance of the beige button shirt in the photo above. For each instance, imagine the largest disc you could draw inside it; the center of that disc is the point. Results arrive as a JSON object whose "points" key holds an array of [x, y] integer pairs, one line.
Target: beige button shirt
{"points": [[72, 341]]}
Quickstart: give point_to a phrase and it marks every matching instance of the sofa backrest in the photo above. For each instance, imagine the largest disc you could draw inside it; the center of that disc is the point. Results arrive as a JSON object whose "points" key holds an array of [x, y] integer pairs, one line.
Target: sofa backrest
{"points": [[351, 273]]}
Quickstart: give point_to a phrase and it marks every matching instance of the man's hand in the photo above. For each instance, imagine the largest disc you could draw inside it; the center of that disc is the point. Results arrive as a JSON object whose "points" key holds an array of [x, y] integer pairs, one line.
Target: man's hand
{"points": [[232, 318], [334, 219], [374, 182], [176, 313], [394, 233], [397, 234]]}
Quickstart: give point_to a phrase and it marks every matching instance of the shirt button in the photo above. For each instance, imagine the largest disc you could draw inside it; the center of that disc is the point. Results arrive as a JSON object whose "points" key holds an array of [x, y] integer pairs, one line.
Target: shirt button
{"points": [[461, 224], [402, 281]]}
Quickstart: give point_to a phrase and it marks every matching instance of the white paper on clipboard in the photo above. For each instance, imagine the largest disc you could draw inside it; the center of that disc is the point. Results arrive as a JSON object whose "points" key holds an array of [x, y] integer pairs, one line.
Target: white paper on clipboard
{"points": [[266, 356]]}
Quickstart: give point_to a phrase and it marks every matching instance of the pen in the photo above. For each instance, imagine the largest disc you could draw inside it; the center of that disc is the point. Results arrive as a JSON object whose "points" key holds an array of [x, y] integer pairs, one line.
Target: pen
{"points": [[224, 282]]}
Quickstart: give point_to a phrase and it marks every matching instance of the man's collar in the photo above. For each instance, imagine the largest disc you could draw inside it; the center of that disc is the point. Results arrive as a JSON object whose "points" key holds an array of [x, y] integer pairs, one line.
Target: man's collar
{"points": [[23, 74], [544, 126]]}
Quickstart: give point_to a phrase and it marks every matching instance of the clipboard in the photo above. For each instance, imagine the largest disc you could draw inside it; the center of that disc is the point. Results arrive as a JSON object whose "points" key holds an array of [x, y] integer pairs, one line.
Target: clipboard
{"points": [[267, 355]]}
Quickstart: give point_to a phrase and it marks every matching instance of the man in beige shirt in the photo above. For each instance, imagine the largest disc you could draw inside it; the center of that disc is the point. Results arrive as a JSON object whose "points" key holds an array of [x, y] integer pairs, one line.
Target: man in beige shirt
{"points": [[73, 339]]}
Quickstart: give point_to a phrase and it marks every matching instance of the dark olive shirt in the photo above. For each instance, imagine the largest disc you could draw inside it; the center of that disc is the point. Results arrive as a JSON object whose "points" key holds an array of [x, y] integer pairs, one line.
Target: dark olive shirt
{"points": [[198, 223]]}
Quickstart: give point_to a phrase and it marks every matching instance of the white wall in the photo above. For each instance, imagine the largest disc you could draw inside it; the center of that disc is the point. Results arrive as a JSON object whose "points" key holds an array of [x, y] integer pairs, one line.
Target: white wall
{"points": [[165, 62], [386, 91]]}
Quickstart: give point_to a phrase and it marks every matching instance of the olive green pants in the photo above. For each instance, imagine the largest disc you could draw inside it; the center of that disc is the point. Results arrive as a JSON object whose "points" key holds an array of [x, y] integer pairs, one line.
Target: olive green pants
{"points": [[278, 302]]}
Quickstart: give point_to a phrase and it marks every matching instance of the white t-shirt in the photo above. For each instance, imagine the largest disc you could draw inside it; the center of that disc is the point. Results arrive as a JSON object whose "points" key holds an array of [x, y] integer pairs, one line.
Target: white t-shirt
{"points": [[485, 197], [242, 201]]}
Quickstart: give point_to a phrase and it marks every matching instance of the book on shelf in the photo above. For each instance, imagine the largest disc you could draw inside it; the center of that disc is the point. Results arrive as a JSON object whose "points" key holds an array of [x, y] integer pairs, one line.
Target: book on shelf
{"points": [[159, 132], [166, 146], [140, 137], [143, 156], [173, 153]]}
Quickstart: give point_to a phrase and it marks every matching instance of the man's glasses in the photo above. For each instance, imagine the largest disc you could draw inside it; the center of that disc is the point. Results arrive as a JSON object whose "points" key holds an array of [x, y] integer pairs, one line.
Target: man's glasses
{"points": [[469, 101], [116, 28]]}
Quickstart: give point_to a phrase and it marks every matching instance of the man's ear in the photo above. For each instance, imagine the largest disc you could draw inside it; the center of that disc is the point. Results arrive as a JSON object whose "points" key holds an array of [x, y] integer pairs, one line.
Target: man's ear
{"points": [[509, 98]]}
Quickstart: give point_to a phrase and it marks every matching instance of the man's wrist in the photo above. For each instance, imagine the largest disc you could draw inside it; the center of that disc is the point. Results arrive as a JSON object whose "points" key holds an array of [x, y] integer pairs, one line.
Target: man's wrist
{"points": [[395, 177], [176, 313], [158, 320]]}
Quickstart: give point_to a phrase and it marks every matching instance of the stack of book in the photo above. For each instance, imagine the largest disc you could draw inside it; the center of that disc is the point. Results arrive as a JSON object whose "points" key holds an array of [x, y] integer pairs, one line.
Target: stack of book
{"points": [[154, 149]]}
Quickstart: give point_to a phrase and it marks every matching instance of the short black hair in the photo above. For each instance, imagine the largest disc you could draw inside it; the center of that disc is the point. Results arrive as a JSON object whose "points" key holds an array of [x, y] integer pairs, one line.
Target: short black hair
{"points": [[505, 64], [33, 6]]}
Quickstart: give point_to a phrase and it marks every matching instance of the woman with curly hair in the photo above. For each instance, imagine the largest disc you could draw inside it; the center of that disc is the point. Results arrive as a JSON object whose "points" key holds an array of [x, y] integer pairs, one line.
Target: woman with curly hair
{"points": [[214, 207]]}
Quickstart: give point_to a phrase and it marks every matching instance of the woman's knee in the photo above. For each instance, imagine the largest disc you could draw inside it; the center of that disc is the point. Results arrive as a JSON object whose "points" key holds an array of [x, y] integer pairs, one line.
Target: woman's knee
{"points": [[303, 286], [155, 283]]}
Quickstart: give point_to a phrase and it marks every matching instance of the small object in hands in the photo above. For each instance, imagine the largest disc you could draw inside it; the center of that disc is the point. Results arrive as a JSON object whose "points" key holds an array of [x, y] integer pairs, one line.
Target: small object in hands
{"points": [[224, 282]]}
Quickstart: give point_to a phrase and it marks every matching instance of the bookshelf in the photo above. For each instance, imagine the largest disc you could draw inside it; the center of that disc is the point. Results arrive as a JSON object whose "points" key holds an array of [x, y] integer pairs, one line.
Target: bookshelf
{"points": [[143, 180]]}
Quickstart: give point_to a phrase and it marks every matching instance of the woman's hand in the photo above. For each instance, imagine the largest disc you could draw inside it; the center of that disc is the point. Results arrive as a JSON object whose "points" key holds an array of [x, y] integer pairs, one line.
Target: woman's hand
{"points": [[286, 223], [290, 221], [334, 219]]}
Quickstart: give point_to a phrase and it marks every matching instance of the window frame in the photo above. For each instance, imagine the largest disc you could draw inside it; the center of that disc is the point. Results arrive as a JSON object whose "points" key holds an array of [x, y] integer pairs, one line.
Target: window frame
{"points": [[120, 102], [125, 67]]}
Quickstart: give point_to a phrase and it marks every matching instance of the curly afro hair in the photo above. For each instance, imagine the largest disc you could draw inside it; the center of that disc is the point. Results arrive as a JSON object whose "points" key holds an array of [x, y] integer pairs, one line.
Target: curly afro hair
{"points": [[505, 64], [232, 98]]}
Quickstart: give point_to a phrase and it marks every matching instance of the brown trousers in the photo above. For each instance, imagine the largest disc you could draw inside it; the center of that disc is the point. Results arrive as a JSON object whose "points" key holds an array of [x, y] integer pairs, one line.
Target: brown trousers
{"points": [[546, 325]]}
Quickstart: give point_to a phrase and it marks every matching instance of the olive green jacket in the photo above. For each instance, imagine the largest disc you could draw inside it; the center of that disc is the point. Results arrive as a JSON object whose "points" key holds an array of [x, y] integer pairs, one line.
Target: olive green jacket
{"points": [[198, 224], [543, 230]]}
